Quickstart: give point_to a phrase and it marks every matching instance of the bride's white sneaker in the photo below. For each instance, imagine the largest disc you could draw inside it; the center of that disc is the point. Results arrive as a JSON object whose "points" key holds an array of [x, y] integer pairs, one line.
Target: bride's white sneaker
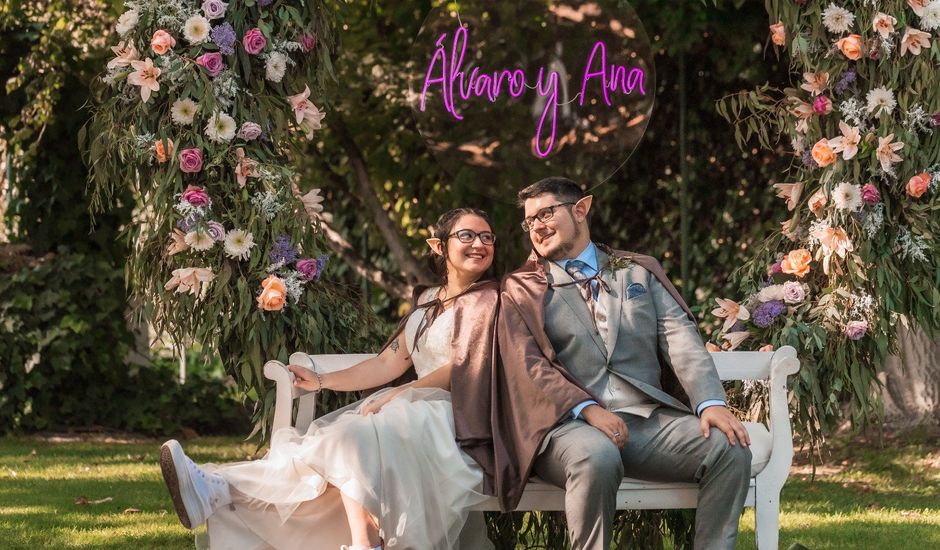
{"points": [[195, 492]]}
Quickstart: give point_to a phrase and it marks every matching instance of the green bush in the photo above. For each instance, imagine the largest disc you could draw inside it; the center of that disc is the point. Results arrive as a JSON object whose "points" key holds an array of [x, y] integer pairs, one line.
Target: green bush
{"points": [[62, 334]]}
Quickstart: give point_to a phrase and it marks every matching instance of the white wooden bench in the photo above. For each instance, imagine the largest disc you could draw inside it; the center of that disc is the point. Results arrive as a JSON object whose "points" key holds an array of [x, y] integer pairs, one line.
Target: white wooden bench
{"points": [[771, 446]]}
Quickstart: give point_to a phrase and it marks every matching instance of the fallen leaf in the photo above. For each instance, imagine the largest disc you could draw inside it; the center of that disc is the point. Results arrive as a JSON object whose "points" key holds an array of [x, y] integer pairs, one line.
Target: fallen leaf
{"points": [[189, 433], [83, 500], [132, 511]]}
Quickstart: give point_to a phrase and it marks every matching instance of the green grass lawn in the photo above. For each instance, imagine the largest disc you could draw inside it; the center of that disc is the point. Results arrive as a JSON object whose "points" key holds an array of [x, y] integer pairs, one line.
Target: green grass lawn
{"points": [[863, 497]]}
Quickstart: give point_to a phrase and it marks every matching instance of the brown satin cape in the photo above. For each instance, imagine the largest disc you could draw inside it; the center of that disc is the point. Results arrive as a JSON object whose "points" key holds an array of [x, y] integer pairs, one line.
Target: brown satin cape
{"points": [[473, 356], [532, 392]]}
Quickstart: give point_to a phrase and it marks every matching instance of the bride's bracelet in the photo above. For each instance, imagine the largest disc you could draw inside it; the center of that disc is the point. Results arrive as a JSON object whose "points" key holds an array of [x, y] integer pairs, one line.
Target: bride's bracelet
{"points": [[319, 382]]}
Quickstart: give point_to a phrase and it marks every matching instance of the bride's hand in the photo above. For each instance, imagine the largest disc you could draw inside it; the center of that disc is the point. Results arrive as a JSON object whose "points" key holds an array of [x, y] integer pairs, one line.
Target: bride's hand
{"points": [[304, 379], [376, 405]]}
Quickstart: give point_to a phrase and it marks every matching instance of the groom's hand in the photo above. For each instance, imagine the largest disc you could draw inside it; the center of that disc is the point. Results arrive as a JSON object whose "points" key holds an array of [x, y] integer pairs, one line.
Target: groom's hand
{"points": [[720, 417], [607, 422]]}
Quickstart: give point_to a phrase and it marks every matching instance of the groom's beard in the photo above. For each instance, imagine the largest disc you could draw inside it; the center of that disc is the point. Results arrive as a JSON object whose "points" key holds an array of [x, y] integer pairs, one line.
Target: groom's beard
{"points": [[565, 249]]}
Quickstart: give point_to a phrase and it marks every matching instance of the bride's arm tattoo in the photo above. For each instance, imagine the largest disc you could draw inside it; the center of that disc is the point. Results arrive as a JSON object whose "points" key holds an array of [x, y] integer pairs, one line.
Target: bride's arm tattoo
{"points": [[394, 345]]}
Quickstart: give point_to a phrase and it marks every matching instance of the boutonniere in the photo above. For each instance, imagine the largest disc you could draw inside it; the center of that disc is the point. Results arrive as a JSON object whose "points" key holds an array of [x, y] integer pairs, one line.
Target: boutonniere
{"points": [[616, 263]]}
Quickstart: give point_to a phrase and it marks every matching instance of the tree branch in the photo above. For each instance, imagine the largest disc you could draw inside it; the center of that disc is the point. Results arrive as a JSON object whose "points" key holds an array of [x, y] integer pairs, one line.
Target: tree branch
{"points": [[410, 266], [341, 247]]}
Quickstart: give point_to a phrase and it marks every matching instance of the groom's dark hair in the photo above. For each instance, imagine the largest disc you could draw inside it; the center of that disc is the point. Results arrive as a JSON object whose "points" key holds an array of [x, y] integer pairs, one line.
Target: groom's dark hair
{"points": [[563, 188]]}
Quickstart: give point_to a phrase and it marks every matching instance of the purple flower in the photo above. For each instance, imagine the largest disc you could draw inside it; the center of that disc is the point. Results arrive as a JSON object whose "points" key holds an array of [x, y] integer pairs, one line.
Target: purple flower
{"points": [[855, 330], [847, 79], [808, 160], [215, 230], [188, 223], [283, 251], [311, 269], [935, 120], [249, 131], [776, 268], [870, 194], [224, 37], [738, 326], [265, 3], [764, 314]]}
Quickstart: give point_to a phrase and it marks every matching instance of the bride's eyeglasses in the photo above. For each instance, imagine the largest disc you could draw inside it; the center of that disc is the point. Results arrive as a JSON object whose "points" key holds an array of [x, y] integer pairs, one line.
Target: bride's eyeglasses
{"points": [[467, 236]]}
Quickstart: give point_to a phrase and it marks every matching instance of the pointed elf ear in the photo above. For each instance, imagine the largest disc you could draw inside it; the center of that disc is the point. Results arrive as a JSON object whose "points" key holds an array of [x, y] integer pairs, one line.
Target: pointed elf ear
{"points": [[583, 206], [436, 246]]}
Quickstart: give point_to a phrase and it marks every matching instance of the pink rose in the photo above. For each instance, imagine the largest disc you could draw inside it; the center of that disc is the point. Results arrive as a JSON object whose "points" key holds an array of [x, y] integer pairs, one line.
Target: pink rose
{"points": [[870, 194], [254, 41], [195, 196], [822, 105], [212, 62], [191, 160], [855, 330], [249, 131], [308, 42]]}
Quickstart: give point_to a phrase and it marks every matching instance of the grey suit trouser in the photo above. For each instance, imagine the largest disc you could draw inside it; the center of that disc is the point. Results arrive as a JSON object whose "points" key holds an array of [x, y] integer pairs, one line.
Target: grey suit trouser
{"points": [[667, 446]]}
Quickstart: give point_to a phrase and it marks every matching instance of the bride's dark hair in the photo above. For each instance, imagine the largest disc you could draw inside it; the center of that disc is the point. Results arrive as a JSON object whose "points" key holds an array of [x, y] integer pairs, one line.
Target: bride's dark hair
{"points": [[444, 227]]}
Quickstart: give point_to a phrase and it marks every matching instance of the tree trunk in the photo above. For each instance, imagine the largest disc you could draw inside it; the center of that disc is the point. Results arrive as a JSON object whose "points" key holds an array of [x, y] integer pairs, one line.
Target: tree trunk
{"points": [[912, 382]]}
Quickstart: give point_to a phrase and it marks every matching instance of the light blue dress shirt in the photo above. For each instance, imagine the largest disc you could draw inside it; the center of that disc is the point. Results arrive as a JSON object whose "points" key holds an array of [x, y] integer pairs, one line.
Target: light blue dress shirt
{"points": [[589, 257]]}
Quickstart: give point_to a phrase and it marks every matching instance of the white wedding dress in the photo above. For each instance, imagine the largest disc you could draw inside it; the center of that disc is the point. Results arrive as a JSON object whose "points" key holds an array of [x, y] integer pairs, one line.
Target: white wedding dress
{"points": [[402, 464]]}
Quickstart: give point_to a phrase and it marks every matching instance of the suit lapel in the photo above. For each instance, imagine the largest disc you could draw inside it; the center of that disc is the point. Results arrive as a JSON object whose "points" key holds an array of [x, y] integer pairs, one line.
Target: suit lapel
{"points": [[613, 300], [571, 295]]}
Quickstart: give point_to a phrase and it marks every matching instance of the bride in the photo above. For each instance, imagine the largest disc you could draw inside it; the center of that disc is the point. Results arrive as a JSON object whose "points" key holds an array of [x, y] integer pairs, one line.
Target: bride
{"points": [[385, 472]]}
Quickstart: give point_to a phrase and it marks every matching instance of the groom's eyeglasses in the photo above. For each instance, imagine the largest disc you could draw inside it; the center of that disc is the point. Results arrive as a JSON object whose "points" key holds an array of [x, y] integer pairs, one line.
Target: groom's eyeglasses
{"points": [[467, 236], [542, 215]]}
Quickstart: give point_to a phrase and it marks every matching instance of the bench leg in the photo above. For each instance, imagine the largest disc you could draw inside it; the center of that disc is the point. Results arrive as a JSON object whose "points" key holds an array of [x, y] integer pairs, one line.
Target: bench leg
{"points": [[767, 522]]}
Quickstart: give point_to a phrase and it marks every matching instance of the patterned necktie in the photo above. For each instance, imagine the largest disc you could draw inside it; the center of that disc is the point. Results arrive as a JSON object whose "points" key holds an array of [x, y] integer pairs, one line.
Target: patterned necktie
{"points": [[575, 268]]}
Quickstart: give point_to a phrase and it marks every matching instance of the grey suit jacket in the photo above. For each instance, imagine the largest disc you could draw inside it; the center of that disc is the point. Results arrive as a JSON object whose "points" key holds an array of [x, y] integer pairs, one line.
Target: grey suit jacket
{"points": [[647, 331]]}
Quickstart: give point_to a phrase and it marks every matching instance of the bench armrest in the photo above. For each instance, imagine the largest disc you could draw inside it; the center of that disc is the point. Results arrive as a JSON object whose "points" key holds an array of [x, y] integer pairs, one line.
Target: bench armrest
{"points": [[783, 364]]}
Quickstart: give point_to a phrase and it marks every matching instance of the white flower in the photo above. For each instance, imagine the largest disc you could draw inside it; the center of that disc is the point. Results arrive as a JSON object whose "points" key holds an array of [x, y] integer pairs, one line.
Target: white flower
{"points": [[772, 292], [196, 29], [183, 111], [930, 20], [793, 292], [880, 100], [214, 9], [238, 244], [837, 19], [275, 67], [847, 196], [199, 240], [220, 128], [126, 22]]}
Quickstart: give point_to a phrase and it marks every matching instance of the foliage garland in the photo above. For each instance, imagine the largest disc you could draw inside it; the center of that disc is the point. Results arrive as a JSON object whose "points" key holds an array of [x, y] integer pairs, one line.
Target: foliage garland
{"points": [[858, 253], [197, 113]]}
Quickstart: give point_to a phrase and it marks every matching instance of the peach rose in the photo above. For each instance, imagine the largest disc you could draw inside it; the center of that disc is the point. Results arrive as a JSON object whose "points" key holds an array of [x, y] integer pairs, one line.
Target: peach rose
{"points": [[273, 294], [823, 153], [796, 262], [162, 42], [851, 46], [777, 34], [918, 184], [162, 153]]}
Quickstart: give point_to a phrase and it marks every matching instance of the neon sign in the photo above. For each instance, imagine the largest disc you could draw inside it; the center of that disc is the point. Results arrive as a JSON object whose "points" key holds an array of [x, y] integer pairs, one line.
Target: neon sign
{"points": [[455, 85]]}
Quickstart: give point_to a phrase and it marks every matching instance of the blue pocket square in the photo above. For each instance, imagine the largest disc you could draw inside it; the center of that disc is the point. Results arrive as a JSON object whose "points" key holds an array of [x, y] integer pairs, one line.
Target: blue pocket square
{"points": [[634, 290]]}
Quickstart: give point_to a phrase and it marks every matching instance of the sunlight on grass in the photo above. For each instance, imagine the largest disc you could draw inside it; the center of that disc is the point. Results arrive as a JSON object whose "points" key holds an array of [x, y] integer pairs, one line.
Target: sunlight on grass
{"points": [[864, 497]]}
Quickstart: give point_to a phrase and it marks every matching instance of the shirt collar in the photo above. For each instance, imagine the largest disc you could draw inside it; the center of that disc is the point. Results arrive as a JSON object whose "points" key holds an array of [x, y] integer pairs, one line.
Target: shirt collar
{"points": [[588, 256]]}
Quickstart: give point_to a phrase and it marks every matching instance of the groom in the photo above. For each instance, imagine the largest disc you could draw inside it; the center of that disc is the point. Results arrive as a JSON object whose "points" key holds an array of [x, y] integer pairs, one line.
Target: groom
{"points": [[597, 348]]}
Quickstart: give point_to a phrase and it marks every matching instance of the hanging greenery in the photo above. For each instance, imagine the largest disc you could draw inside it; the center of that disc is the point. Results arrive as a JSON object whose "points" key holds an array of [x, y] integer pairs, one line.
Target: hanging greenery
{"points": [[201, 111], [858, 253]]}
